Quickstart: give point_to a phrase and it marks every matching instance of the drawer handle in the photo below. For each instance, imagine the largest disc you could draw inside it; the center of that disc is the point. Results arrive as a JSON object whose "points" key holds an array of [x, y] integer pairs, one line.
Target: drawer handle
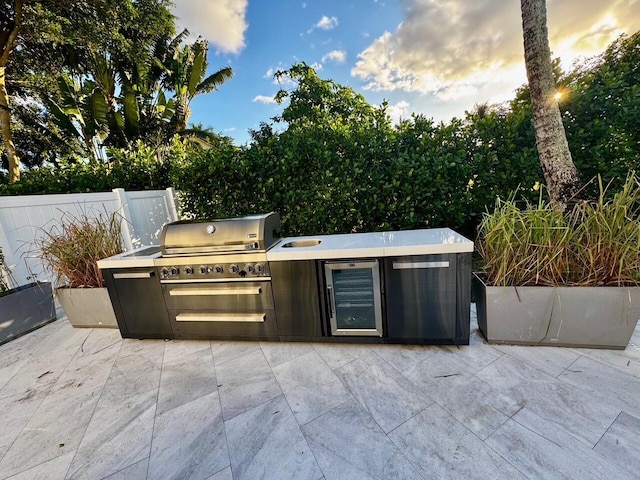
{"points": [[415, 265], [222, 317], [179, 292], [148, 274]]}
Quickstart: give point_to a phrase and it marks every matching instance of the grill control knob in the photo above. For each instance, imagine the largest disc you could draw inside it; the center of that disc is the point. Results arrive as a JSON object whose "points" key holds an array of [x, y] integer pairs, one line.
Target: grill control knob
{"points": [[233, 268], [203, 269], [218, 269], [164, 272], [259, 268], [174, 271], [188, 270], [249, 268]]}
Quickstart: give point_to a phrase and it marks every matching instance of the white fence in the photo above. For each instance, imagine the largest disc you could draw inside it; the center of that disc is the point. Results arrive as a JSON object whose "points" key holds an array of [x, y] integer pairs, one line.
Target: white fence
{"points": [[22, 218]]}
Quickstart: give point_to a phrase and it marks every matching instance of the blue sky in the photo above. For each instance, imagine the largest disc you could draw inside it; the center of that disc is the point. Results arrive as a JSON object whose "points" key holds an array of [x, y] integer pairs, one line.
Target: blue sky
{"points": [[435, 57]]}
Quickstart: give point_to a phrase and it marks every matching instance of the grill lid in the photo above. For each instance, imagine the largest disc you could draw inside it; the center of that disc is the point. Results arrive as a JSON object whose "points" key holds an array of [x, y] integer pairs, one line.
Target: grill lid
{"points": [[253, 233]]}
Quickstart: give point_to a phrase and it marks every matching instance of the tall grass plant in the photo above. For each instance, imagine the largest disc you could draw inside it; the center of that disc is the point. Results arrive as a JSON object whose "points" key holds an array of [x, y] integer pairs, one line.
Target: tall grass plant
{"points": [[596, 243], [72, 248]]}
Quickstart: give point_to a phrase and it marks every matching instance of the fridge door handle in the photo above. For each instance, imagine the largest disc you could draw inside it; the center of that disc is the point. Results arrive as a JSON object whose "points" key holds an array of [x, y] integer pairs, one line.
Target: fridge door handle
{"points": [[331, 303]]}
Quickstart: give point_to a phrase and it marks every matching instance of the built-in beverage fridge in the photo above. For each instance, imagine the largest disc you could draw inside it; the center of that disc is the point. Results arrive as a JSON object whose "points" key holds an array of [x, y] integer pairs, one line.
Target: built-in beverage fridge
{"points": [[354, 297]]}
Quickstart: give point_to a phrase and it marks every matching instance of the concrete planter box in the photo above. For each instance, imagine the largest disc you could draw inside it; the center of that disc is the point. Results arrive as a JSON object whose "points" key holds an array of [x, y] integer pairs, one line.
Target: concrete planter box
{"points": [[87, 307], [24, 309], [594, 317]]}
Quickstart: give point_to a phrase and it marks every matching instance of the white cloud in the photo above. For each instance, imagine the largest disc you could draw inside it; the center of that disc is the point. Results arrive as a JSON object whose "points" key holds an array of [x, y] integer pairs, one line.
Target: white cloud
{"points": [[325, 23], [455, 48], [338, 56], [263, 99], [222, 22], [398, 111], [317, 66], [269, 73]]}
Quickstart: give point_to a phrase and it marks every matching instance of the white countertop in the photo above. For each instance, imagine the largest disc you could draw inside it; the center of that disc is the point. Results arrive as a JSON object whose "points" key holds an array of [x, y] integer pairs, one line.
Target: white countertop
{"points": [[377, 244], [139, 257], [351, 245]]}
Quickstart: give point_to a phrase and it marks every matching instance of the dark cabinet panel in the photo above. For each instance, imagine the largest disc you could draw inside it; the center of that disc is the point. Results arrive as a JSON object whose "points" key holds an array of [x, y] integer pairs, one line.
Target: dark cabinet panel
{"points": [[295, 293], [421, 296], [138, 303]]}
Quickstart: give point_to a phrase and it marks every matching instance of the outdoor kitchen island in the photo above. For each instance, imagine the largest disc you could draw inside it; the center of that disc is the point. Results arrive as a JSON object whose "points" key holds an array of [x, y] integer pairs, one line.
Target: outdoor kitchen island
{"points": [[410, 286], [385, 287]]}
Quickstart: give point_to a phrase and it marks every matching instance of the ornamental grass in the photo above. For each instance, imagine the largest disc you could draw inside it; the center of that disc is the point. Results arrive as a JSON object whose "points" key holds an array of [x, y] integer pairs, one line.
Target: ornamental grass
{"points": [[72, 248], [596, 243]]}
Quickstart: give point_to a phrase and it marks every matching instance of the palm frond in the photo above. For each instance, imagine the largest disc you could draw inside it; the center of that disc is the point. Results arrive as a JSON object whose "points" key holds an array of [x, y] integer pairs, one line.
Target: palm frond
{"points": [[215, 80]]}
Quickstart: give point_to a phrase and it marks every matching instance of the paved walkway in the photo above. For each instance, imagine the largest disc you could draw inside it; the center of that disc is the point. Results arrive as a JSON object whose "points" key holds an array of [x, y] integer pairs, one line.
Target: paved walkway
{"points": [[79, 403]]}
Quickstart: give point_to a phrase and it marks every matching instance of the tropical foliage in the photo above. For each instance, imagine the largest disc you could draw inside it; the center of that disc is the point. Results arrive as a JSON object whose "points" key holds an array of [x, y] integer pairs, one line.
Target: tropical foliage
{"points": [[330, 162], [123, 77]]}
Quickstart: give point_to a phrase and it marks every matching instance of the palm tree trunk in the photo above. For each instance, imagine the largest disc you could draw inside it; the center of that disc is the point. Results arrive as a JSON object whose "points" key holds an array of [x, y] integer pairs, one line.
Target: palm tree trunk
{"points": [[560, 173], [5, 130]]}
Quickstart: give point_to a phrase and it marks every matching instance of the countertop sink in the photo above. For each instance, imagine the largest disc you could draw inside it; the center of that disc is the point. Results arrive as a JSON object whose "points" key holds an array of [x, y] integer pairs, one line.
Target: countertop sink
{"points": [[302, 243]]}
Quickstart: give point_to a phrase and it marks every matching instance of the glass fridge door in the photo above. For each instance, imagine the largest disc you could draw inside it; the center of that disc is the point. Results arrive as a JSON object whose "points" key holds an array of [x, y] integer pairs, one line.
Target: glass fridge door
{"points": [[354, 298]]}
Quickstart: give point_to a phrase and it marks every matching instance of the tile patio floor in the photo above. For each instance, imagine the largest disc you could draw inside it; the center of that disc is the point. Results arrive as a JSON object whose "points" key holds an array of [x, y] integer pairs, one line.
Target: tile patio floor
{"points": [[79, 403]]}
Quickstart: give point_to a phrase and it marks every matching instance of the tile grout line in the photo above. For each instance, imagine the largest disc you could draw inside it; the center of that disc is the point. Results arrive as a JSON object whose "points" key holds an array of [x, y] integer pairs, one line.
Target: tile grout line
{"points": [[569, 366], [415, 467], [40, 346], [118, 471], [99, 396], [40, 404], [611, 365], [502, 354], [44, 397], [511, 417], [234, 358], [224, 424], [605, 432], [155, 413], [306, 441]]}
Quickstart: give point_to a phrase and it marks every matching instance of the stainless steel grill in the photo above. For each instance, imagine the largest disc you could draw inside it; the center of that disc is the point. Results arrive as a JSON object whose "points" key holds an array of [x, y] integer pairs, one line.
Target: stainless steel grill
{"points": [[215, 277], [231, 235]]}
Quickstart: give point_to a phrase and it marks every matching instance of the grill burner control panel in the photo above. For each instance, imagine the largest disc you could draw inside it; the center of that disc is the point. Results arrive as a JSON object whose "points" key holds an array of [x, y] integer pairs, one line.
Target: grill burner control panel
{"points": [[214, 271]]}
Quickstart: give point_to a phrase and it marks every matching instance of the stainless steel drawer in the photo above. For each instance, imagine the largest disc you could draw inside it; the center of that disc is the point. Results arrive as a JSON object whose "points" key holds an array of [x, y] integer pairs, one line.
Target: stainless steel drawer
{"points": [[216, 296], [224, 324]]}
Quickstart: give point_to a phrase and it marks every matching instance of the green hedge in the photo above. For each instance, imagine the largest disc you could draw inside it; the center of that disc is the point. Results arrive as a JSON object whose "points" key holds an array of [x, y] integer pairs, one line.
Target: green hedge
{"points": [[330, 181], [140, 168]]}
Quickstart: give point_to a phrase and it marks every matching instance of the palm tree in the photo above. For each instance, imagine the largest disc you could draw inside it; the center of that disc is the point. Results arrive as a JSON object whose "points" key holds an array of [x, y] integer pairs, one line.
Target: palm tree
{"points": [[561, 175], [185, 76], [81, 114], [10, 22]]}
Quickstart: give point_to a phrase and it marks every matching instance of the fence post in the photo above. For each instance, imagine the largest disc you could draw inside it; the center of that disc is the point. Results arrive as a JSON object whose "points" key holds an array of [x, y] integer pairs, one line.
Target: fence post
{"points": [[123, 209], [171, 201]]}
